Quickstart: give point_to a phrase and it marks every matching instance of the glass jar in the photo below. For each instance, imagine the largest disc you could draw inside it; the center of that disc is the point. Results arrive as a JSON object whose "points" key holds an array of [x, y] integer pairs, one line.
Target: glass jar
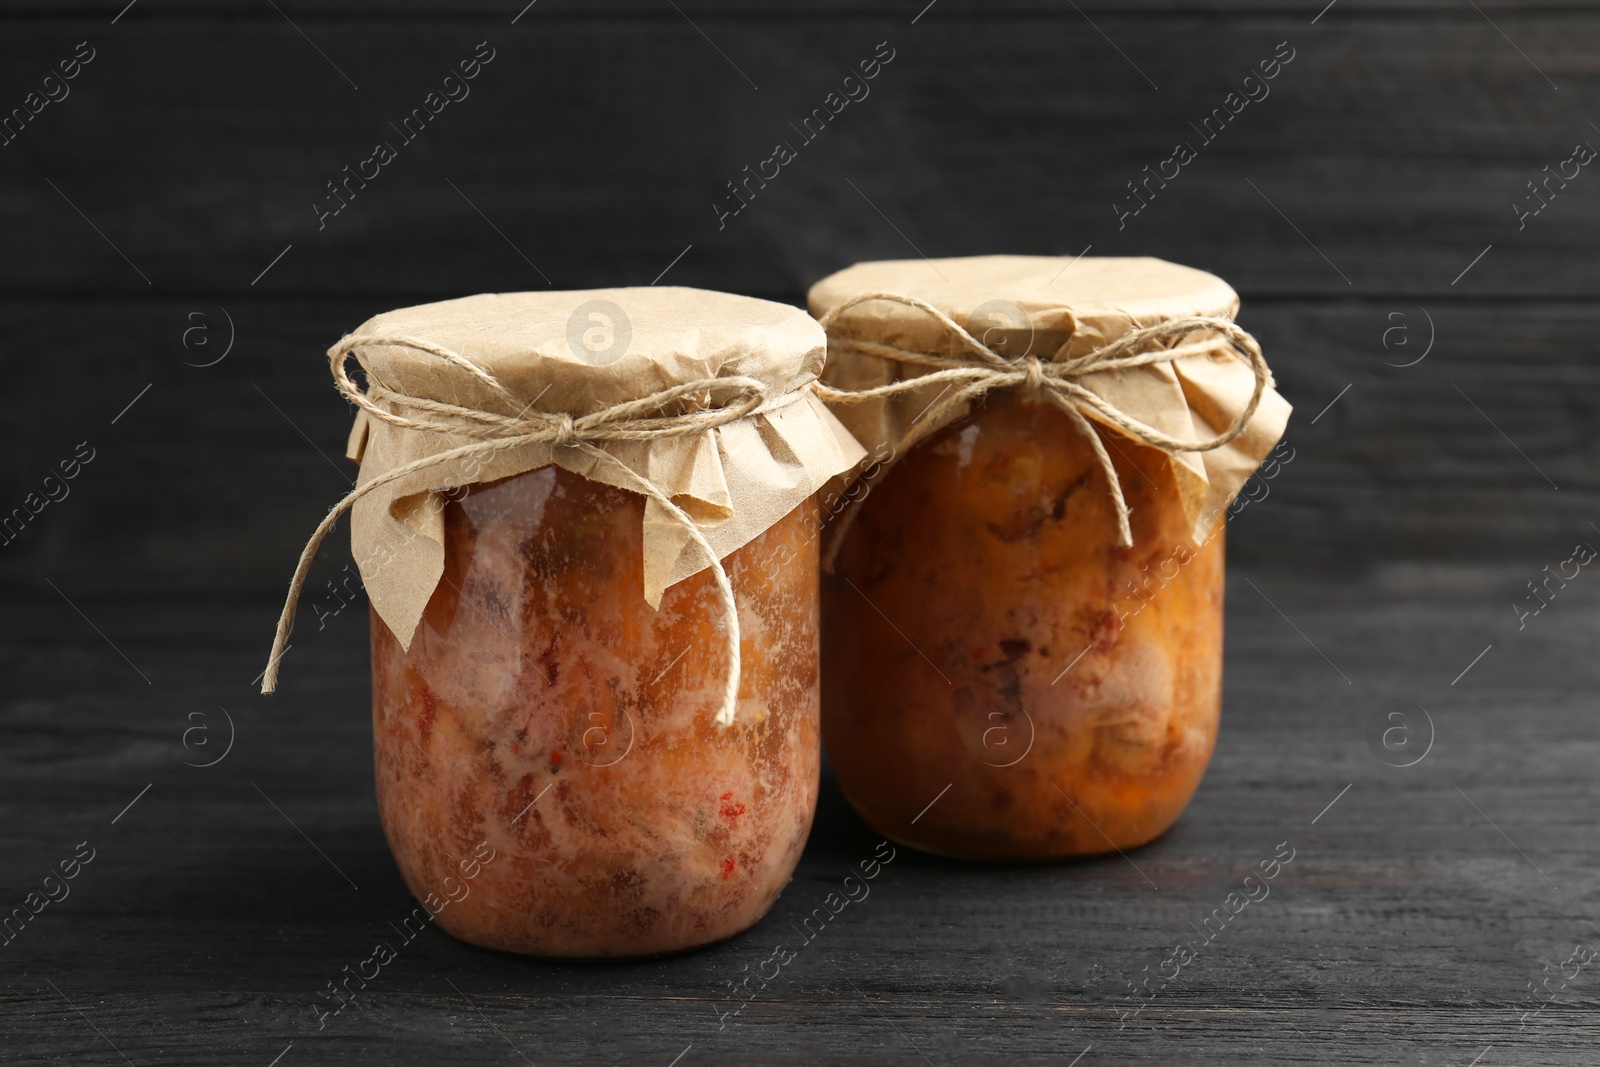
{"points": [[1002, 680], [549, 774]]}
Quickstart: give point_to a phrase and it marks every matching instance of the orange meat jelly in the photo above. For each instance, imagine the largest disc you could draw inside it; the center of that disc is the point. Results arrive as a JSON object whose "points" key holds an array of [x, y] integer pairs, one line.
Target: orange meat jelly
{"points": [[989, 644], [549, 774]]}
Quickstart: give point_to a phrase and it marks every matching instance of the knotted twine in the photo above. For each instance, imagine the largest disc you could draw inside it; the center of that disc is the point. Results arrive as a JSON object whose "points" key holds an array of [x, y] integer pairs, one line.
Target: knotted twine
{"points": [[646, 418], [1054, 380]]}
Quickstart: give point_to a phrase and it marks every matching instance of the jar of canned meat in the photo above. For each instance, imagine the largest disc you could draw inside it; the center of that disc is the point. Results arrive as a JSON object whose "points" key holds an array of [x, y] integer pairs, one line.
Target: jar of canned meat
{"points": [[1022, 629], [594, 609]]}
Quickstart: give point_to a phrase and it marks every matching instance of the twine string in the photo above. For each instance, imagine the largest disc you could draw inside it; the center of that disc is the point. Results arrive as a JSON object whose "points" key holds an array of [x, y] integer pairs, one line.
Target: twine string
{"points": [[1056, 381], [645, 418]]}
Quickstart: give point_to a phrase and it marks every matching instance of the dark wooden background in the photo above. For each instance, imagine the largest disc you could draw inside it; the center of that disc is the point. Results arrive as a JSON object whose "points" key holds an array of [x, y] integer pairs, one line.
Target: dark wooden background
{"points": [[1413, 925]]}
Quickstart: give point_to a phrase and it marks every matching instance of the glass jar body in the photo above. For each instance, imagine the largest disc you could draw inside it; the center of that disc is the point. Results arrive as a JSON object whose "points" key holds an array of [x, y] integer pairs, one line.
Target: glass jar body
{"points": [[549, 774], [987, 643]]}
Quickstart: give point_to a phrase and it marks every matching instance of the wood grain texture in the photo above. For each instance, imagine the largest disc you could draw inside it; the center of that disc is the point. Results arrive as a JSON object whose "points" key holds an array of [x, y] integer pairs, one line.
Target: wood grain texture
{"points": [[1405, 927], [1395, 145], [222, 471], [307, 12], [1380, 569]]}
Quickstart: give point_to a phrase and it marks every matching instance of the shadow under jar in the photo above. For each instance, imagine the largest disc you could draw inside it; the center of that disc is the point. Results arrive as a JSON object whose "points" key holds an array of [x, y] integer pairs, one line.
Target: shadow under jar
{"points": [[984, 632], [548, 776]]}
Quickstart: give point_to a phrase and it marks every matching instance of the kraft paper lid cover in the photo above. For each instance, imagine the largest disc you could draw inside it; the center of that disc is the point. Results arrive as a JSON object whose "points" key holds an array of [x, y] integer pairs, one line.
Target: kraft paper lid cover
{"points": [[1057, 308], [580, 353]]}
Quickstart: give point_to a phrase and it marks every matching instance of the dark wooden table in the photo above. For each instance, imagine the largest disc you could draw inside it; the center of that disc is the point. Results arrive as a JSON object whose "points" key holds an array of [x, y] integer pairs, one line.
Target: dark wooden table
{"points": [[1408, 928], [1439, 349]]}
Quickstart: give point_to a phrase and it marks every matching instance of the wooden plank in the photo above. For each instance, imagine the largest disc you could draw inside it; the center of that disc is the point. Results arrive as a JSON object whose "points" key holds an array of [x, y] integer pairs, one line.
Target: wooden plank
{"points": [[492, 11], [225, 470], [1386, 159], [1405, 923]]}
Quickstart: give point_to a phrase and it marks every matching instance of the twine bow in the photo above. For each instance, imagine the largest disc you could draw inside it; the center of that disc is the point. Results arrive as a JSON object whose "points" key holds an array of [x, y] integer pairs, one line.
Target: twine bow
{"points": [[646, 418], [1052, 380]]}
